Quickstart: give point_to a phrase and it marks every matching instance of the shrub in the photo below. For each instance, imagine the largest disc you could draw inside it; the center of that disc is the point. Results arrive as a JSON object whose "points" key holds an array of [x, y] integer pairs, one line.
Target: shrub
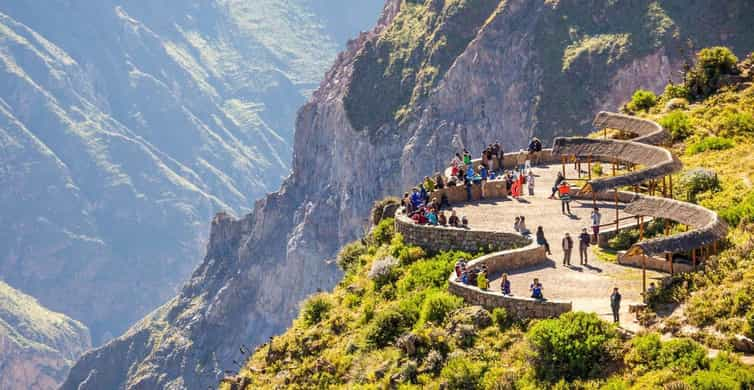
{"points": [[750, 323], [384, 271], [712, 63], [678, 124], [429, 273], [437, 305], [597, 169], [709, 143], [683, 354], [623, 239], [642, 100], [740, 212], [384, 231], [732, 123], [644, 352], [576, 345], [385, 328], [350, 255], [706, 380], [462, 374], [316, 309], [410, 254], [675, 91], [698, 180], [501, 318]]}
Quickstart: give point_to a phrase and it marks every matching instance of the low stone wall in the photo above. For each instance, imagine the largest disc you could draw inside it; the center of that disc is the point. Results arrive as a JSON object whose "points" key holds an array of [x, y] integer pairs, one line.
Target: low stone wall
{"points": [[654, 263], [519, 307], [511, 260], [438, 238]]}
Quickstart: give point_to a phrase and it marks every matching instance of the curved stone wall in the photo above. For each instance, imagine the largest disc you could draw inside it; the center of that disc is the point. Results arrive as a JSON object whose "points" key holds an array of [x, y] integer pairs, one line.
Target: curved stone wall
{"points": [[508, 261], [646, 131], [439, 238]]}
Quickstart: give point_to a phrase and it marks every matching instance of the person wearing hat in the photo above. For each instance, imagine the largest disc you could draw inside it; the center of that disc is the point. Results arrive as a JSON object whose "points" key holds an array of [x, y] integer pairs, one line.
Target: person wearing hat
{"points": [[584, 241], [567, 247]]}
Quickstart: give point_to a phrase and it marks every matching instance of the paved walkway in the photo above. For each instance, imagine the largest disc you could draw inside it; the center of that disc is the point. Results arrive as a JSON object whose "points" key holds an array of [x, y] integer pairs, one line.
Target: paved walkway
{"points": [[588, 287]]}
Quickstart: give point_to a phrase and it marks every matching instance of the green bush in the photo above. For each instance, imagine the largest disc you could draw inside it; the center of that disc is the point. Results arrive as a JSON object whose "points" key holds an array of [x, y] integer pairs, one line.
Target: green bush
{"points": [[576, 345], [384, 271], [750, 323], [732, 123], [709, 143], [712, 63], [437, 305], [623, 239], [384, 231], [740, 212], [597, 169], [699, 180], [642, 100], [501, 318], [461, 373], [385, 328], [675, 91], [678, 124], [350, 255], [685, 355], [316, 309], [707, 380], [645, 350], [430, 273]]}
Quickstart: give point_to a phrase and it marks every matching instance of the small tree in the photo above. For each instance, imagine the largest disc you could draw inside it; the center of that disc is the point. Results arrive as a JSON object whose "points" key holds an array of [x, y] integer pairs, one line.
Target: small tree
{"points": [[678, 124], [711, 64], [316, 309], [437, 305], [462, 374], [642, 100]]}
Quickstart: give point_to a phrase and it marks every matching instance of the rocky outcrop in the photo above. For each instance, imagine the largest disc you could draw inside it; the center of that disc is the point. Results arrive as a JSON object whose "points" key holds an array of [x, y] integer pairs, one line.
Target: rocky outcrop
{"points": [[37, 346], [124, 126], [506, 83]]}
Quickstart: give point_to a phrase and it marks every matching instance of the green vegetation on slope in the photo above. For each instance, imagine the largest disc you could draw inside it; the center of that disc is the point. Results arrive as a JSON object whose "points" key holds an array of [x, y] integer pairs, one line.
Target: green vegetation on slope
{"points": [[391, 323], [410, 57]]}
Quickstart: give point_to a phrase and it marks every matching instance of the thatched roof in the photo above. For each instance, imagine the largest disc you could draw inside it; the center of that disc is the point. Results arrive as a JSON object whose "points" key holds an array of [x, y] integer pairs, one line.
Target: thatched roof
{"points": [[657, 161], [646, 131], [705, 225]]}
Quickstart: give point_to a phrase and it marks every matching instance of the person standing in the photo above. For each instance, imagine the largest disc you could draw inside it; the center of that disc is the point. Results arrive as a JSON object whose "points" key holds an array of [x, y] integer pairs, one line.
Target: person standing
{"points": [[505, 285], [596, 218], [530, 182], [615, 298], [567, 247], [564, 192], [584, 241], [541, 240]]}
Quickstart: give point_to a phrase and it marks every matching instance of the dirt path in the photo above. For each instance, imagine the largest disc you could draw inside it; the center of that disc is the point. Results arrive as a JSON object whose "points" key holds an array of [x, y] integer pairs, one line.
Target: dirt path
{"points": [[588, 287]]}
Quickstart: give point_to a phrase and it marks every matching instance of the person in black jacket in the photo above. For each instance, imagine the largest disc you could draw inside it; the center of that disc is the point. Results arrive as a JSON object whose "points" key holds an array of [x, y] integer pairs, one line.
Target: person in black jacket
{"points": [[615, 298], [584, 241]]}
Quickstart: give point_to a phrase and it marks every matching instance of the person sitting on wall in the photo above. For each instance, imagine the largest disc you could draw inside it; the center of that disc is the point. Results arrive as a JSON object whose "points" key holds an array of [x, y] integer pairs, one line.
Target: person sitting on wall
{"points": [[441, 219], [419, 217], [536, 290], [465, 277], [508, 182], [432, 217], [423, 193], [470, 172], [464, 222], [429, 184], [493, 175], [541, 240], [455, 165], [558, 179], [522, 226], [505, 285], [452, 181], [458, 269], [483, 172], [467, 185], [466, 157], [408, 207], [477, 178], [473, 276], [416, 198], [439, 182], [481, 280], [453, 221]]}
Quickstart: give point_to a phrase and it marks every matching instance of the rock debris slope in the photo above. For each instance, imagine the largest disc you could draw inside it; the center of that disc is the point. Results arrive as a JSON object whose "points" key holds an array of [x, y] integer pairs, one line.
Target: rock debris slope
{"points": [[432, 76]]}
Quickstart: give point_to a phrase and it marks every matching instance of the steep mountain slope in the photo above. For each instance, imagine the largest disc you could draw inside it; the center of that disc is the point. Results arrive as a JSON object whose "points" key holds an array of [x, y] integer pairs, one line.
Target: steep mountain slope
{"points": [[37, 346], [489, 86], [124, 125]]}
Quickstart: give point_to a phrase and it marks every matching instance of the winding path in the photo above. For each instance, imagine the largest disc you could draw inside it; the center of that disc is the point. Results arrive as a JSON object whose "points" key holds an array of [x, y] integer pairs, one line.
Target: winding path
{"points": [[577, 287]]}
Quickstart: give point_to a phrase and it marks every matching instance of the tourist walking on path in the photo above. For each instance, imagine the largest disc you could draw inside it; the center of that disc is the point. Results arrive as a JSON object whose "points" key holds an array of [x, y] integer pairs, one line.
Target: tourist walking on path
{"points": [[564, 192], [559, 179], [596, 217], [541, 240], [567, 247], [505, 285], [584, 241], [615, 305], [530, 183], [536, 289]]}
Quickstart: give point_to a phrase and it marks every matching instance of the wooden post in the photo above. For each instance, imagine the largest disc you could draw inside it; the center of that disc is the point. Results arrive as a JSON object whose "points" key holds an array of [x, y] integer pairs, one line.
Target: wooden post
{"points": [[617, 212], [641, 228], [643, 277], [670, 180], [562, 161], [669, 257], [714, 247], [615, 162], [664, 187], [693, 258], [578, 168], [589, 166]]}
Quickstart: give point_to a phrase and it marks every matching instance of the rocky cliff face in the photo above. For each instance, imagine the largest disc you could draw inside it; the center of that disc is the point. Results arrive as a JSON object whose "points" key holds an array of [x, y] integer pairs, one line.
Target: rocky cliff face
{"points": [[124, 126], [394, 107], [37, 346]]}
